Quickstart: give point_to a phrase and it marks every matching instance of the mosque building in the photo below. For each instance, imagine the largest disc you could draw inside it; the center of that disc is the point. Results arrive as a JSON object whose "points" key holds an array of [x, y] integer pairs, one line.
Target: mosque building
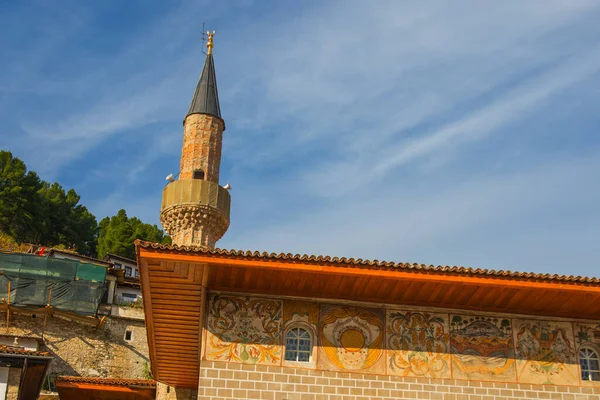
{"points": [[226, 324]]}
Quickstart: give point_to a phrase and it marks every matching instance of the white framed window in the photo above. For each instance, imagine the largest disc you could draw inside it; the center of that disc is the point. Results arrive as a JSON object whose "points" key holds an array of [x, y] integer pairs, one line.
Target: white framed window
{"points": [[127, 271], [298, 345], [590, 364], [128, 296], [128, 337]]}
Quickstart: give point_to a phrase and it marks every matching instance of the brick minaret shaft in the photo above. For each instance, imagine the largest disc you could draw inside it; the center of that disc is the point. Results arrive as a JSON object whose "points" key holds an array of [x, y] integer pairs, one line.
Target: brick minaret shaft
{"points": [[201, 151], [195, 208]]}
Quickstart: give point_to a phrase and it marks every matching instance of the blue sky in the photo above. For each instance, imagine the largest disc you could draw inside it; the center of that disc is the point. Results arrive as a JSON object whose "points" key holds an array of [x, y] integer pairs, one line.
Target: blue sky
{"points": [[460, 133]]}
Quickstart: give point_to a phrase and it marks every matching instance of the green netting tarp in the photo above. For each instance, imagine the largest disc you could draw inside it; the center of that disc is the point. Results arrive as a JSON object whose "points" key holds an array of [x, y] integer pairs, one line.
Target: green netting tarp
{"points": [[70, 285]]}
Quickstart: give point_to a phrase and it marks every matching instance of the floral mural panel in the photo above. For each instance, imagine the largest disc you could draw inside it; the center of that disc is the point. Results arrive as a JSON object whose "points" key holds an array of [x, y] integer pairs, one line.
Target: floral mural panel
{"points": [[418, 344], [244, 329], [587, 338], [545, 352], [482, 348], [351, 339]]}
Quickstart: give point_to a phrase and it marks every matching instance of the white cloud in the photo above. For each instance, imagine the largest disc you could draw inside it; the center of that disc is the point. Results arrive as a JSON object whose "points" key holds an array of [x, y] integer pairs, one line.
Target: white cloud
{"points": [[359, 81], [423, 223], [475, 126]]}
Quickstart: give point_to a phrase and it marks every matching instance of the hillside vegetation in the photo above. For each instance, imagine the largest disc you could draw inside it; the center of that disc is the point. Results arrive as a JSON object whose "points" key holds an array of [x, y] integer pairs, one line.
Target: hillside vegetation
{"points": [[39, 212]]}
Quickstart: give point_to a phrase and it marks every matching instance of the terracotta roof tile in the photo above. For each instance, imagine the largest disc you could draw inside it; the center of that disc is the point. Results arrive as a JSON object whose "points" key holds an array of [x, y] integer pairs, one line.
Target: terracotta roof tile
{"points": [[4, 349], [367, 264], [107, 381]]}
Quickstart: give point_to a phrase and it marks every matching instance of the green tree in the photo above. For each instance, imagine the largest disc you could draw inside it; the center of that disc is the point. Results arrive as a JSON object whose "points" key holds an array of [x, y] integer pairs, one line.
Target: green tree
{"points": [[66, 222], [39, 212], [35, 211], [19, 201], [117, 234]]}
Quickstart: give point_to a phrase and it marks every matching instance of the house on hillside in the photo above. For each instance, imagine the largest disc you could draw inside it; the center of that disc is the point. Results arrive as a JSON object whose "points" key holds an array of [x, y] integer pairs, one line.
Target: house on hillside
{"points": [[24, 362], [128, 291]]}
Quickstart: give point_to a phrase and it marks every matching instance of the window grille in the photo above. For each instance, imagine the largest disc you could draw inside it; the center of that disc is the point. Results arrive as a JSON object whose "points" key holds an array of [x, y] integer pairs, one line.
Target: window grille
{"points": [[298, 345], [590, 364]]}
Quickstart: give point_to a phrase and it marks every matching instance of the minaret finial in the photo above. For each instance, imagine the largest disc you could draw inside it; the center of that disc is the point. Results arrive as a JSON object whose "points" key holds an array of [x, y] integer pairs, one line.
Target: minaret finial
{"points": [[210, 44]]}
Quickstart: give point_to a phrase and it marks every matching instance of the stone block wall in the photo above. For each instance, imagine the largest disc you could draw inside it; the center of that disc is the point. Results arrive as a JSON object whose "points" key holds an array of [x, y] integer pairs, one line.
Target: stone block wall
{"points": [[12, 386], [83, 350], [222, 380]]}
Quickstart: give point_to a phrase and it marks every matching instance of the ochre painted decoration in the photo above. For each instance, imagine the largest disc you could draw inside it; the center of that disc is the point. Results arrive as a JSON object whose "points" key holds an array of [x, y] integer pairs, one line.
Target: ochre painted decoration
{"points": [[482, 348], [243, 329], [300, 311], [351, 339], [588, 336], [417, 344], [545, 353], [304, 315]]}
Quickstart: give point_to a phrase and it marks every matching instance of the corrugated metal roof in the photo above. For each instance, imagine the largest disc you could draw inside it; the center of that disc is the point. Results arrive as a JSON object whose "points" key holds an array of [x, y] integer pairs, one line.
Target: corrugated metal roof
{"points": [[53, 250], [368, 264]]}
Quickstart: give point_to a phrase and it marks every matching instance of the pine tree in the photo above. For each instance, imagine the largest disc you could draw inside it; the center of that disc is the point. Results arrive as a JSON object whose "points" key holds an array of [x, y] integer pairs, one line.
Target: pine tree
{"points": [[39, 212], [19, 201], [118, 233]]}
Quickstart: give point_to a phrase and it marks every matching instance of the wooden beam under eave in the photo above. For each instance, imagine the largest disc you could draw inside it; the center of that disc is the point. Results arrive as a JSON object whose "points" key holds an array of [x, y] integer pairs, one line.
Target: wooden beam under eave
{"points": [[373, 289], [529, 301], [491, 297], [479, 294], [202, 317], [594, 308], [148, 312]]}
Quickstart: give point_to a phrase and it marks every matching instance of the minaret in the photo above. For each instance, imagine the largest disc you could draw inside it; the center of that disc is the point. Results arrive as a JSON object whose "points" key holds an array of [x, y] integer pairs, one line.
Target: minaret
{"points": [[195, 208]]}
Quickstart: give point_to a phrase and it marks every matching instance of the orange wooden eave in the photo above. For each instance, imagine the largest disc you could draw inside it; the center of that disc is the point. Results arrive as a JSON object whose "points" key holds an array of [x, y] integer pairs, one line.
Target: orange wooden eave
{"points": [[91, 391], [414, 275]]}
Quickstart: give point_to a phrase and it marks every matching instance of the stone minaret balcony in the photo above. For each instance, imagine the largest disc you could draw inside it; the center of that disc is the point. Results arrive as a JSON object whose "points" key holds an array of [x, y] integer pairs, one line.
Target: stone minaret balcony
{"points": [[195, 212]]}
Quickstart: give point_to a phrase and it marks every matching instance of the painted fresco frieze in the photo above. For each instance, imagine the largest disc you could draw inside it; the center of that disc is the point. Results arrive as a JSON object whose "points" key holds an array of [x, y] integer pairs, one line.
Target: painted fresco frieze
{"points": [[482, 348], [587, 337], [418, 344], [545, 352], [244, 329], [351, 339]]}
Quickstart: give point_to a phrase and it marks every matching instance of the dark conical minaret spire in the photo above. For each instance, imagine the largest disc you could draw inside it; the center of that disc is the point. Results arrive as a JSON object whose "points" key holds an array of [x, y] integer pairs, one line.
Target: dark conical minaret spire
{"points": [[206, 97]]}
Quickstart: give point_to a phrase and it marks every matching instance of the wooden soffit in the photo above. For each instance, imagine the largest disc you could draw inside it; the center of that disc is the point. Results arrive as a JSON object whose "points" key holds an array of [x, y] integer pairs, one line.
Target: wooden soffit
{"points": [[172, 294]]}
